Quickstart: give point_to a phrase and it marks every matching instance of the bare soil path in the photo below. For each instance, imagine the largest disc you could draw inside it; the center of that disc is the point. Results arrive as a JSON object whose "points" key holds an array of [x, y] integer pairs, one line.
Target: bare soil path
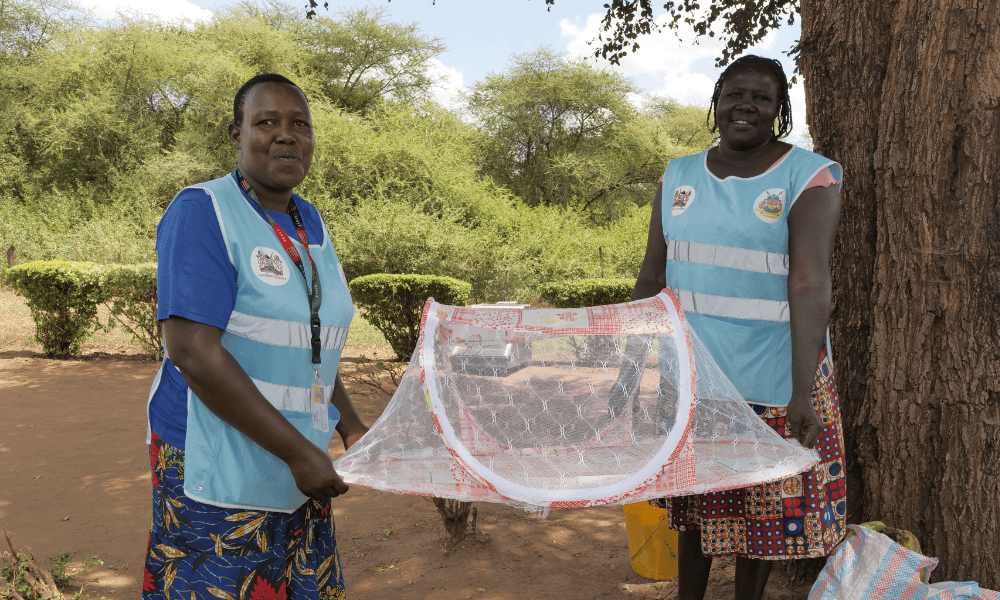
{"points": [[74, 477]]}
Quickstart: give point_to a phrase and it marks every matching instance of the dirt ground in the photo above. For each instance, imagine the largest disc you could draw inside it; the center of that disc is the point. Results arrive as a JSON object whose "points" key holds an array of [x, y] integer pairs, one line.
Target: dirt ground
{"points": [[74, 477]]}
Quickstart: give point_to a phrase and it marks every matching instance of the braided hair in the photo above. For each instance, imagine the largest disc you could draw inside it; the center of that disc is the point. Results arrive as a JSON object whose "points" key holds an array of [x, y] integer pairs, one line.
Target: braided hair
{"points": [[758, 63], [241, 96]]}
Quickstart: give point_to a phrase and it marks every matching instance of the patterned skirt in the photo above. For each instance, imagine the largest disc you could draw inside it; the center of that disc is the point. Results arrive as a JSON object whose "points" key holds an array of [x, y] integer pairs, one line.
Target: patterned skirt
{"points": [[800, 517], [200, 551]]}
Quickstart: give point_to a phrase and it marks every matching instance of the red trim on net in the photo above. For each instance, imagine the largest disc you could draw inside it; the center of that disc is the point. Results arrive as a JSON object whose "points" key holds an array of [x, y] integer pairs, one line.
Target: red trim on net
{"points": [[603, 320]]}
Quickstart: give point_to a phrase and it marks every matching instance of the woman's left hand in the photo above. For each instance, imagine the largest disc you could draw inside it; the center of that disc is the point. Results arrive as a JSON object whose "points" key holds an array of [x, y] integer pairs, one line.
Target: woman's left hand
{"points": [[350, 427], [812, 229], [803, 421]]}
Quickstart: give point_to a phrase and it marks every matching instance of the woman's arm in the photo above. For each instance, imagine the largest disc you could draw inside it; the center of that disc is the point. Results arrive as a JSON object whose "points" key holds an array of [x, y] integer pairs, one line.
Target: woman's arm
{"points": [[224, 387], [652, 276], [812, 229], [350, 427]]}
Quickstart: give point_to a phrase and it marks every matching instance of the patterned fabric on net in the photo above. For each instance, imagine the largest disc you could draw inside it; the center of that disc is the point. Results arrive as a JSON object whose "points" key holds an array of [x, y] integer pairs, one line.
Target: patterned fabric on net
{"points": [[565, 407]]}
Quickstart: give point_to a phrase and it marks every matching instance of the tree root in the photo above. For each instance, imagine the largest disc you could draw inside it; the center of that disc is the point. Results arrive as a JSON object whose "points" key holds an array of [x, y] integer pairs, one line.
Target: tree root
{"points": [[28, 580], [456, 518]]}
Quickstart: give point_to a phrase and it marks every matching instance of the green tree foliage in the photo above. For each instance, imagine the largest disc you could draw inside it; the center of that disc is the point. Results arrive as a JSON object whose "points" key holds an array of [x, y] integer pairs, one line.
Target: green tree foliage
{"points": [[622, 170], [578, 293], [363, 57], [26, 27], [102, 123], [110, 121], [399, 191], [401, 194], [744, 23], [394, 304], [562, 133], [27, 30], [542, 110]]}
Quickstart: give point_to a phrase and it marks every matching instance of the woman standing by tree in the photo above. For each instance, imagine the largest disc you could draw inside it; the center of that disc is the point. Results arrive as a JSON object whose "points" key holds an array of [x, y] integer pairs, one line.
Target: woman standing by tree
{"points": [[745, 242]]}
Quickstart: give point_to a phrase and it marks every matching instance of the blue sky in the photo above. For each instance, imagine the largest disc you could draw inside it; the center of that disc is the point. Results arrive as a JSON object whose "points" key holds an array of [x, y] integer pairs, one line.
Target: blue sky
{"points": [[482, 35]]}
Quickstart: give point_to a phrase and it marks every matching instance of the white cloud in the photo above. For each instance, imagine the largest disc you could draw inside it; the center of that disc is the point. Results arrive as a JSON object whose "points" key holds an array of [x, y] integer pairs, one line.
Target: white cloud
{"points": [[166, 10], [669, 63], [798, 97], [660, 54], [448, 90]]}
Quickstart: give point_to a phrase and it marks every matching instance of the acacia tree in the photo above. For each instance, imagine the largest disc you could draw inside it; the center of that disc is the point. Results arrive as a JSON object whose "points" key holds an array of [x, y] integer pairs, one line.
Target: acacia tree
{"points": [[905, 95], [620, 170], [561, 133], [363, 57], [26, 30], [542, 110]]}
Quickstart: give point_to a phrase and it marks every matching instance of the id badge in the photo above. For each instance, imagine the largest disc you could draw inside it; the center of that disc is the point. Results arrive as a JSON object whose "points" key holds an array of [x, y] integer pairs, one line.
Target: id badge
{"points": [[320, 413]]}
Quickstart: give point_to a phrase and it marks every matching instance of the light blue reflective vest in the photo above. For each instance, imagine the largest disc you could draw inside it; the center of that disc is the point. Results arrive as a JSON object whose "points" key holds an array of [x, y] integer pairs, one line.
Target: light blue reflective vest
{"points": [[727, 261], [268, 334]]}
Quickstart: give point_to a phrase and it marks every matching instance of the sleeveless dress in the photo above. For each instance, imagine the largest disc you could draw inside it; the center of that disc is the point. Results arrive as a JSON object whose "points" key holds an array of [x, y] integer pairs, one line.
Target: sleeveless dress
{"points": [[728, 259]]}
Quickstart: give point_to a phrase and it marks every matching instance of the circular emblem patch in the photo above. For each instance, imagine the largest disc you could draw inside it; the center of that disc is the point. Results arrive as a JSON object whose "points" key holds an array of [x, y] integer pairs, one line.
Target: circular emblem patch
{"points": [[770, 205], [269, 266], [683, 197]]}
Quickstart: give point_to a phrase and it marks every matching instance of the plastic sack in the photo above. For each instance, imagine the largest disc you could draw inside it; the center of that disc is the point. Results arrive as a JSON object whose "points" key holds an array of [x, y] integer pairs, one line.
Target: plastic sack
{"points": [[871, 566]]}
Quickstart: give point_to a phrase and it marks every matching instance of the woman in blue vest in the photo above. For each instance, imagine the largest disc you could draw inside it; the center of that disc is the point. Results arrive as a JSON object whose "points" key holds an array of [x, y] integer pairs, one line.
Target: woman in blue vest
{"points": [[743, 234], [255, 311]]}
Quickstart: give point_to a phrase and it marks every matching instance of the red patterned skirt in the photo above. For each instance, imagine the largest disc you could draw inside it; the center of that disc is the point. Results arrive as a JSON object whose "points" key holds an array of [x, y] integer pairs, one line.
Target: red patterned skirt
{"points": [[800, 517]]}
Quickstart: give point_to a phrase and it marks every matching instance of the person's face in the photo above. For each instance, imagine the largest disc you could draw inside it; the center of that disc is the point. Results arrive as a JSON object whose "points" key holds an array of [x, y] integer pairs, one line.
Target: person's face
{"points": [[747, 107], [275, 141]]}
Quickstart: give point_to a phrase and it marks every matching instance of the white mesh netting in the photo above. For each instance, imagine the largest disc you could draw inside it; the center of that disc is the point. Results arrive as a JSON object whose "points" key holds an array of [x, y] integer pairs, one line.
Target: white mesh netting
{"points": [[566, 407]]}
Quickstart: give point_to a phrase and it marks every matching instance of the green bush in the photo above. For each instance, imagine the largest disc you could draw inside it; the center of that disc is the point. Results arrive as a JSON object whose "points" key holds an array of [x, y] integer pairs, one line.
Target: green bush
{"points": [[63, 298], [58, 226], [393, 304], [578, 293], [132, 303]]}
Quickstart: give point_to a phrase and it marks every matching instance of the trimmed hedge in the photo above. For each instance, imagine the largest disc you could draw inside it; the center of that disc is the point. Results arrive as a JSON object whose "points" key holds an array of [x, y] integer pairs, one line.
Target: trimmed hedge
{"points": [[393, 304], [132, 302], [63, 298], [578, 293]]}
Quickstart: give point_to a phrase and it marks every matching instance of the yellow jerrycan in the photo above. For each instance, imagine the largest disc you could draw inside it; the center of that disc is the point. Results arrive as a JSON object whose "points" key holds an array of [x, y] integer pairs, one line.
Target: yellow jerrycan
{"points": [[651, 543]]}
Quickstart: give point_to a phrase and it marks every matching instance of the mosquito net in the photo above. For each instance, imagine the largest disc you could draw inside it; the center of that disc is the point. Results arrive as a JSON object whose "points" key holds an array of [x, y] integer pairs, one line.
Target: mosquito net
{"points": [[563, 408]]}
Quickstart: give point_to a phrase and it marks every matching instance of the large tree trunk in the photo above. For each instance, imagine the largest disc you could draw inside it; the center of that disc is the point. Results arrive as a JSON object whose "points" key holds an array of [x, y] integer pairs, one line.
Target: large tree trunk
{"points": [[905, 94]]}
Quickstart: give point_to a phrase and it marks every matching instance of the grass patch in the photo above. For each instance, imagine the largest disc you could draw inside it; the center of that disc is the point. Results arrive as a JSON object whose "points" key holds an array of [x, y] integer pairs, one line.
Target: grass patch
{"points": [[363, 333]]}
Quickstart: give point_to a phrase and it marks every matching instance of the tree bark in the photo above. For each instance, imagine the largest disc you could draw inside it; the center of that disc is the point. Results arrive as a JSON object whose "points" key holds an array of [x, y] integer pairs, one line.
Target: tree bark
{"points": [[905, 95]]}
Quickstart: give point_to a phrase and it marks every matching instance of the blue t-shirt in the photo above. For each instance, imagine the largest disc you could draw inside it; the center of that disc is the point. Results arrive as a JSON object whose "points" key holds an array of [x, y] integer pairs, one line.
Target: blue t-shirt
{"points": [[196, 281]]}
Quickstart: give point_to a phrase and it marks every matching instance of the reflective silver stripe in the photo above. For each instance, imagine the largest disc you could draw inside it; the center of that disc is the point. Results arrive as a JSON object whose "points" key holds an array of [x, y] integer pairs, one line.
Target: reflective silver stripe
{"points": [[729, 257], [286, 397], [284, 333], [733, 308]]}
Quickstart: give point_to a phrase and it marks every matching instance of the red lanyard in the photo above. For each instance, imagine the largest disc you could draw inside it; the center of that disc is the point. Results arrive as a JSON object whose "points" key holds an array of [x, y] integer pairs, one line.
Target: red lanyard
{"points": [[314, 295]]}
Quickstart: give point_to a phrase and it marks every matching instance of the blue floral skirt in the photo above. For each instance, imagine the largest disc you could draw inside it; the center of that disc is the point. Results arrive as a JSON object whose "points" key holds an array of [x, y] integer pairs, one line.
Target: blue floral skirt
{"points": [[201, 551]]}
